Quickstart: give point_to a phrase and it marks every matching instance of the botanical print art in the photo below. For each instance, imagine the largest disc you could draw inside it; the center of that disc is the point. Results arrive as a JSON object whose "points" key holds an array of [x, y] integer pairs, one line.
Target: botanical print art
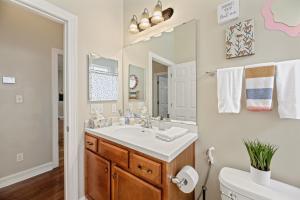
{"points": [[240, 39]]}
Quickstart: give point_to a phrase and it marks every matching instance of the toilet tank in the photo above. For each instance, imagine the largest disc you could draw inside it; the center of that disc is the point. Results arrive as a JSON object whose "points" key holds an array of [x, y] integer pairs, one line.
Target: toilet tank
{"points": [[237, 185]]}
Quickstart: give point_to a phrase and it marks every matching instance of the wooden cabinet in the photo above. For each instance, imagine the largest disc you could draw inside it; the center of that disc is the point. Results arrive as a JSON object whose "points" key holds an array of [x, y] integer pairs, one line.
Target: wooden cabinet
{"points": [[97, 177], [126, 186], [91, 143], [145, 168], [116, 172], [113, 153]]}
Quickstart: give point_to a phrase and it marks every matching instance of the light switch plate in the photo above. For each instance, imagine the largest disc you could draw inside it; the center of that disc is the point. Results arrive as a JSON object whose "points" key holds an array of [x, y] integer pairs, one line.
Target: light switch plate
{"points": [[19, 98], [20, 157], [114, 108], [97, 108], [8, 80], [101, 108]]}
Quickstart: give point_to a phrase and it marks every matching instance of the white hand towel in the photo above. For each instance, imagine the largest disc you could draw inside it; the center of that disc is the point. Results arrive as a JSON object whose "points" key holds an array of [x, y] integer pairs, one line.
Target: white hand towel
{"points": [[172, 133], [288, 89], [230, 82]]}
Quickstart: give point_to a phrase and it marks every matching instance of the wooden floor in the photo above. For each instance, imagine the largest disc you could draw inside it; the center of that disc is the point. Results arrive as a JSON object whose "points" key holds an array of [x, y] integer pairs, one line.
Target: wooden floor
{"points": [[47, 186]]}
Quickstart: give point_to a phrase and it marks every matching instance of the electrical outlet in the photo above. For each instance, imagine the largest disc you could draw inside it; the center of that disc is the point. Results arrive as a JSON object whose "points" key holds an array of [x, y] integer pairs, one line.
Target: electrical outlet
{"points": [[114, 108], [20, 157], [130, 105], [93, 108], [19, 98], [98, 108]]}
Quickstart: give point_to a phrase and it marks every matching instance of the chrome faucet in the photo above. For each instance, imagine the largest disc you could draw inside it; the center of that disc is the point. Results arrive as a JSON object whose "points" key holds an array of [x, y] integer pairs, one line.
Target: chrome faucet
{"points": [[146, 121]]}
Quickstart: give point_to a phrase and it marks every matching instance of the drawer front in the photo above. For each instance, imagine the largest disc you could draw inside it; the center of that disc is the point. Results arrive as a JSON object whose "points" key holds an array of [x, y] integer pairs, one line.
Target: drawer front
{"points": [[113, 153], [91, 143], [145, 168]]}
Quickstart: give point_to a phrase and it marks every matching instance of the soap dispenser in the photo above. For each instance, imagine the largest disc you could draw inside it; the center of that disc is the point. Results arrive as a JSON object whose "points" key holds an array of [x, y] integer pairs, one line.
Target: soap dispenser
{"points": [[160, 123]]}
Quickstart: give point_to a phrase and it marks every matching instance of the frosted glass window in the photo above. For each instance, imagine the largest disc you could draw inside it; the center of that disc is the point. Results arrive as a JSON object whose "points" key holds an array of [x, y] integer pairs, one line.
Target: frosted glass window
{"points": [[103, 79]]}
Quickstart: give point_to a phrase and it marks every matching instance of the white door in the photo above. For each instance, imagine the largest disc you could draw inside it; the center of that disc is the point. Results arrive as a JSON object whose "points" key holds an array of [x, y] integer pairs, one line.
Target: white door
{"points": [[183, 92], [163, 96]]}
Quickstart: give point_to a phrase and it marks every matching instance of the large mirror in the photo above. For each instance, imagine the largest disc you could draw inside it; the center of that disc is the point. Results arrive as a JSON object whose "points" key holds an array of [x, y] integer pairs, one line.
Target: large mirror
{"points": [[103, 79], [169, 61]]}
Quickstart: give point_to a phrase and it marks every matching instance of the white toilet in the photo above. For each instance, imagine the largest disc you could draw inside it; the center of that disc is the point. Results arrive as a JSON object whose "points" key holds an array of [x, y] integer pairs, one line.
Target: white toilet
{"points": [[237, 185]]}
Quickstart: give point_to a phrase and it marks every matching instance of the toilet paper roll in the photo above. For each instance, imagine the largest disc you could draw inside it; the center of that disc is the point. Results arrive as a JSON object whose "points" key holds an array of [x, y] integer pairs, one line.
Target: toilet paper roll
{"points": [[190, 175]]}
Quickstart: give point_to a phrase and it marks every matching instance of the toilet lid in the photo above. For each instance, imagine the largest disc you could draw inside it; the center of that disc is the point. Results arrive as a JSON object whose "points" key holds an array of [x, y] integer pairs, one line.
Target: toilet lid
{"points": [[240, 182]]}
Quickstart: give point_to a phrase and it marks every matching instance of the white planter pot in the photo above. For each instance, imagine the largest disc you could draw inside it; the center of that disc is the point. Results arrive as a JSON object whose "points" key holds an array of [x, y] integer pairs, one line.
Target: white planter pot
{"points": [[260, 177]]}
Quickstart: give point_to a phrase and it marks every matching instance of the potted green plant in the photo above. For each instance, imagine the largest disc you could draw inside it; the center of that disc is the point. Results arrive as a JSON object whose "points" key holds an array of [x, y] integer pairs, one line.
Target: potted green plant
{"points": [[261, 155]]}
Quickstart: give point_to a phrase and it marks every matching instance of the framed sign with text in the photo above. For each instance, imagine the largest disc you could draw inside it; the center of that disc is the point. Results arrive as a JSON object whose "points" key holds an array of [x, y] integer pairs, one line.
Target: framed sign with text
{"points": [[228, 11]]}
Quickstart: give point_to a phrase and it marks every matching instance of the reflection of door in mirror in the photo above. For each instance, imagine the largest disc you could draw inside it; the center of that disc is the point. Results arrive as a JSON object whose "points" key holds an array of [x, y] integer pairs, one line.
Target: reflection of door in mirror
{"points": [[175, 96], [160, 90], [183, 91]]}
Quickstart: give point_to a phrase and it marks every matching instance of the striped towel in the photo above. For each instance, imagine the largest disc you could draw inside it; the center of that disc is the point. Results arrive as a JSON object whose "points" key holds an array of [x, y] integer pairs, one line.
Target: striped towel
{"points": [[259, 86]]}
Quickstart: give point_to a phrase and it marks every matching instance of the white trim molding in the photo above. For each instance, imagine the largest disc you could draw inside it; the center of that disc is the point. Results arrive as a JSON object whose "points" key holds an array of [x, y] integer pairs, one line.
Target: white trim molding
{"points": [[26, 174], [55, 134], [71, 134]]}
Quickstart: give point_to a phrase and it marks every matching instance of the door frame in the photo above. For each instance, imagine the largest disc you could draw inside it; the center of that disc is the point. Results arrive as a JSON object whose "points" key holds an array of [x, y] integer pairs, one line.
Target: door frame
{"points": [[55, 131], [71, 135], [164, 61], [155, 88]]}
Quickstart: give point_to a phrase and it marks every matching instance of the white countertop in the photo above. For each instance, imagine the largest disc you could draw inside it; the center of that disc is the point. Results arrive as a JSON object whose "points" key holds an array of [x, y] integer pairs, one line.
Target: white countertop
{"points": [[145, 142]]}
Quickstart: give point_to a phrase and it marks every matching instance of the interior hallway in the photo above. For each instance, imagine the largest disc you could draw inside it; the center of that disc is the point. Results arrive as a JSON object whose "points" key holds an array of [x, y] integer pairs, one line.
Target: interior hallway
{"points": [[47, 186]]}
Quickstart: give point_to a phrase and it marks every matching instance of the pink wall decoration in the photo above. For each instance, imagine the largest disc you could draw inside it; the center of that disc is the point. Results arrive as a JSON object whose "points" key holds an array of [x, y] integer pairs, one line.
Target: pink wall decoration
{"points": [[271, 24]]}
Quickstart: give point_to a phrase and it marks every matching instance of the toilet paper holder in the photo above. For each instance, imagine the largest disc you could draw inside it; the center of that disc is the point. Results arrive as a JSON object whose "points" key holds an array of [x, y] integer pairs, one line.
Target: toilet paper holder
{"points": [[186, 179], [179, 182]]}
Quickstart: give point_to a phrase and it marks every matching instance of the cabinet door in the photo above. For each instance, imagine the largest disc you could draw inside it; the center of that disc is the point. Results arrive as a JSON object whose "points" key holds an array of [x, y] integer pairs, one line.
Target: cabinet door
{"points": [[97, 177], [126, 186]]}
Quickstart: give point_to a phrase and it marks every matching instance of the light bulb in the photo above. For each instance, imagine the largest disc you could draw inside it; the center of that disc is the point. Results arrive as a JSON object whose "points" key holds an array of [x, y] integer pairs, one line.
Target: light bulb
{"points": [[133, 27], [157, 16], [144, 24]]}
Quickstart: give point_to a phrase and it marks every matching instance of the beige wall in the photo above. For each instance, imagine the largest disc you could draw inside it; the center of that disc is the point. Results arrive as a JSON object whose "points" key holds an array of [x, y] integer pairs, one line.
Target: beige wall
{"points": [[226, 132], [158, 68], [25, 53], [100, 30]]}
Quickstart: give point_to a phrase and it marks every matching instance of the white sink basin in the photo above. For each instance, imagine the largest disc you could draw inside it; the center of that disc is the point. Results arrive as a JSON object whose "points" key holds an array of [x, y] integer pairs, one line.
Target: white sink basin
{"points": [[134, 131]]}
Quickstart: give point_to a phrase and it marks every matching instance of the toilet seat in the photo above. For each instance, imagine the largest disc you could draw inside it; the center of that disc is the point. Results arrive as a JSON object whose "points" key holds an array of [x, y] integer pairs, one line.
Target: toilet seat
{"points": [[237, 185]]}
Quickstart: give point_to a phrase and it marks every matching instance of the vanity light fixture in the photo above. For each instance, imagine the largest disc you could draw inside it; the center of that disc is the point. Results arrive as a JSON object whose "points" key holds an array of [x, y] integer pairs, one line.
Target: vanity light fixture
{"points": [[145, 23], [157, 15], [133, 27]]}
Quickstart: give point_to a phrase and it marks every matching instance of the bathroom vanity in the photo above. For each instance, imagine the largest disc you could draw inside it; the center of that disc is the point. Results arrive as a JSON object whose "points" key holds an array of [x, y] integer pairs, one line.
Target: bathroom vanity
{"points": [[128, 162]]}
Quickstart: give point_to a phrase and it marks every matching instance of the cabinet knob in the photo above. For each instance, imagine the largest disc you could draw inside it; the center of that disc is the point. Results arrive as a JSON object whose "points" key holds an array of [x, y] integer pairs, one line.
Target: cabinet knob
{"points": [[149, 171], [106, 170], [89, 143], [114, 175]]}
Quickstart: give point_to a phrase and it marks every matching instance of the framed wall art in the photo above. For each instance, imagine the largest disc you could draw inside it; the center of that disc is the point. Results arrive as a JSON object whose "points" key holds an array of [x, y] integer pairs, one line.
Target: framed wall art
{"points": [[239, 39]]}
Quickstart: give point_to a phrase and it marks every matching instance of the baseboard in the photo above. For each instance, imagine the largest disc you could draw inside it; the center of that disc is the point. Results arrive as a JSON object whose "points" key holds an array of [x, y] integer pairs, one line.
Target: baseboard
{"points": [[26, 174], [82, 198]]}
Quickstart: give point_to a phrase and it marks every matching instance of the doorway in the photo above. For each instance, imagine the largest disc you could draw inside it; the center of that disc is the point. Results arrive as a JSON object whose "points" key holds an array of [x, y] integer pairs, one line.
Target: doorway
{"points": [[160, 90], [69, 21]]}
